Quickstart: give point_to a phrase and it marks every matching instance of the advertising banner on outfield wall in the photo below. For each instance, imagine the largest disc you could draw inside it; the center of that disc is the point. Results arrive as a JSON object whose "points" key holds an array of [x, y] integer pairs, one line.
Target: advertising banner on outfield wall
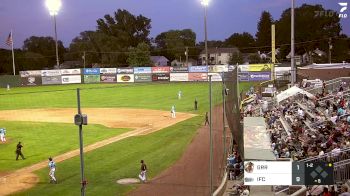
{"points": [[128, 70], [108, 71], [160, 69], [31, 81], [243, 77], [260, 67], [143, 77], [142, 70], [91, 79], [178, 77], [72, 79], [243, 68], [259, 76], [198, 69], [125, 78], [51, 80], [178, 69], [30, 73], [70, 71], [160, 77], [108, 78], [215, 77], [55, 72], [197, 76], [218, 68], [231, 67], [91, 71]]}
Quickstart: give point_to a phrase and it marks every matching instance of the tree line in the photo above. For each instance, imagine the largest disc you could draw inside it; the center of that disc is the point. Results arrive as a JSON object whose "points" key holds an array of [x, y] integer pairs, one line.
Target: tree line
{"points": [[123, 39]]}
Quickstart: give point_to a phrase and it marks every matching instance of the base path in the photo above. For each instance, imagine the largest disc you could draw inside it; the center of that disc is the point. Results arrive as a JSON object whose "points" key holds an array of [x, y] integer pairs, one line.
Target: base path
{"points": [[190, 175], [147, 121]]}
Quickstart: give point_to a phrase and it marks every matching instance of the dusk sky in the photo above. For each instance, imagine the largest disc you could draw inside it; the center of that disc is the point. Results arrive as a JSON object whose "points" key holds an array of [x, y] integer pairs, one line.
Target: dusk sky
{"points": [[225, 17]]}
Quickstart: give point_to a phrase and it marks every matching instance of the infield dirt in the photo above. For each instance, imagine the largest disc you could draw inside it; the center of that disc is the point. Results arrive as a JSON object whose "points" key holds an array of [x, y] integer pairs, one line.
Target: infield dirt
{"points": [[141, 120]]}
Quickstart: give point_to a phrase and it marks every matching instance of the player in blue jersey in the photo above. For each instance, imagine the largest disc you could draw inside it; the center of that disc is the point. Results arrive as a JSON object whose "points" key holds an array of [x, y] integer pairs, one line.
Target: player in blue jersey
{"points": [[52, 168]]}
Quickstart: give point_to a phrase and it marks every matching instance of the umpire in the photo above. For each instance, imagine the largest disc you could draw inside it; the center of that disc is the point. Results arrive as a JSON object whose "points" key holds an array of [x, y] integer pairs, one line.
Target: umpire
{"points": [[19, 151]]}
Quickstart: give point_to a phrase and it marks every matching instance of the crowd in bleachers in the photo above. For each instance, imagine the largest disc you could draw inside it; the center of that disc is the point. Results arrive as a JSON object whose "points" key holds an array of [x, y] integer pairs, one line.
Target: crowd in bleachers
{"points": [[305, 126]]}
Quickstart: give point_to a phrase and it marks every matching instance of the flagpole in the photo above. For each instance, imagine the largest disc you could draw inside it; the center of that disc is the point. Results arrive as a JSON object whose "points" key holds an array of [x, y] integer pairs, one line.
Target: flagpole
{"points": [[13, 56]]}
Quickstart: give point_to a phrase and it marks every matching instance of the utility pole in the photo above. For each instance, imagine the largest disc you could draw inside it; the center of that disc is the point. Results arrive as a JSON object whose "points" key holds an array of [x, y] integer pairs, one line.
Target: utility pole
{"points": [[330, 47], [186, 53], [84, 59], [292, 55]]}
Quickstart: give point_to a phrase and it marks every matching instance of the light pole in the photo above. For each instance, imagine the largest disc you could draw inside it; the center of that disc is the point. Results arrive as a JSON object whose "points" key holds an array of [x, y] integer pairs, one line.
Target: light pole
{"points": [[205, 4], [54, 6], [292, 55]]}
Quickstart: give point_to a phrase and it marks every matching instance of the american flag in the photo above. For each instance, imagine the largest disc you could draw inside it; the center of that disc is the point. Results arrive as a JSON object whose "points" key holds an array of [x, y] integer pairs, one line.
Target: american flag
{"points": [[9, 40]]}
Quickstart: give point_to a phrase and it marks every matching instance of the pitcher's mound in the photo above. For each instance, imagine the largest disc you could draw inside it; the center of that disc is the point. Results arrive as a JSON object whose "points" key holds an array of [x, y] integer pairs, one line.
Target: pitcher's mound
{"points": [[128, 181]]}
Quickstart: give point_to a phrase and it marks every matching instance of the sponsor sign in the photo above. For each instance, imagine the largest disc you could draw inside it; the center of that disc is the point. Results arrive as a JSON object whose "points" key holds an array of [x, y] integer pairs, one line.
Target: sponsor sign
{"points": [[91, 71], [108, 78], [108, 70], [160, 77], [218, 68], [128, 70], [31, 80], [198, 69], [73, 79], [125, 77], [259, 76], [51, 80], [160, 69], [178, 69], [231, 67], [30, 73], [55, 72], [91, 79], [260, 67], [215, 77], [70, 71], [179, 77], [142, 70], [197, 76], [243, 68], [143, 77], [243, 77]]}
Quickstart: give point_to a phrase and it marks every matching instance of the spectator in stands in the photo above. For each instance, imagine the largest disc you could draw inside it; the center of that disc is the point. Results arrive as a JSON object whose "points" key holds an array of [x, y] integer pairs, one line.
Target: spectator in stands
{"points": [[326, 192], [344, 191]]}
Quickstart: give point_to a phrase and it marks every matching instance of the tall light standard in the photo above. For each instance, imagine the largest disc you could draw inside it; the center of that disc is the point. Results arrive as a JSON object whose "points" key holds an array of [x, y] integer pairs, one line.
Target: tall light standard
{"points": [[205, 4], [292, 55], [54, 6]]}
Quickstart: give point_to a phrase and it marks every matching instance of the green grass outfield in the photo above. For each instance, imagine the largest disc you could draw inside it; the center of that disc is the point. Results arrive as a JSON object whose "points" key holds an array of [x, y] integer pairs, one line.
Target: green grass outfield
{"points": [[114, 161]]}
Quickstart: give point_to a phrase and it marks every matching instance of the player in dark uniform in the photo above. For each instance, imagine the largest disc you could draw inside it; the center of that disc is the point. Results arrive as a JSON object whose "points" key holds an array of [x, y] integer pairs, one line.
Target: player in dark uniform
{"points": [[19, 151], [206, 119], [143, 169], [195, 104]]}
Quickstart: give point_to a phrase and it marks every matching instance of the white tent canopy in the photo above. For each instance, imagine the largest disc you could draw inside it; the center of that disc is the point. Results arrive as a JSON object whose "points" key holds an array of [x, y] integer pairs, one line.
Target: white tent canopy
{"points": [[291, 92]]}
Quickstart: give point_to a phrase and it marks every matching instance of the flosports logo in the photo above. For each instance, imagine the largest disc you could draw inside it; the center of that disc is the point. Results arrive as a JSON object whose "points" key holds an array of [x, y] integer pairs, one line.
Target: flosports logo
{"points": [[344, 7]]}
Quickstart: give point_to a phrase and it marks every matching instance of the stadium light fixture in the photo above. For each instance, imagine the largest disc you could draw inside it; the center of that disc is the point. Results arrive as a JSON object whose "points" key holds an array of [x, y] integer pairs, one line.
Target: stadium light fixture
{"points": [[205, 3], [53, 6]]}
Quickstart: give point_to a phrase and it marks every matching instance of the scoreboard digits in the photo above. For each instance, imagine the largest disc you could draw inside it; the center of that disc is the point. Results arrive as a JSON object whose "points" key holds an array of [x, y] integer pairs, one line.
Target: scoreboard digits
{"points": [[288, 173]]}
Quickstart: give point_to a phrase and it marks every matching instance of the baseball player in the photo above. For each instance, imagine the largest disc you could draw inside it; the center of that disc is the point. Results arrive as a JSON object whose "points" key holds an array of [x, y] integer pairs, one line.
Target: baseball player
{"points": [[52, 168], [3, 134], [173, 112], [19, 151], [142, 174], [179, 95]]}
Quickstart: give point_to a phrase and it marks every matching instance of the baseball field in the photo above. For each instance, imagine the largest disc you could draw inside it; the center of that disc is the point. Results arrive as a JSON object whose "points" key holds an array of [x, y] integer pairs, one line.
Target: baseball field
{"points": [[127, 123]]}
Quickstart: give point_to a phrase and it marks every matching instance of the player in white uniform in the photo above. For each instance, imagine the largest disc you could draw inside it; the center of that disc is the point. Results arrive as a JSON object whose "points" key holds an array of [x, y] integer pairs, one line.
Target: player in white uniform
{"points": [[179, 95], [52, 167], [173, 112], [3, 134]]}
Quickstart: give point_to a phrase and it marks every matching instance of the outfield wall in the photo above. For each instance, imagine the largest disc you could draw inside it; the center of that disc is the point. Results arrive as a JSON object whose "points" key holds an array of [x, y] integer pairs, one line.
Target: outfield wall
{"points": [[256, 72]]}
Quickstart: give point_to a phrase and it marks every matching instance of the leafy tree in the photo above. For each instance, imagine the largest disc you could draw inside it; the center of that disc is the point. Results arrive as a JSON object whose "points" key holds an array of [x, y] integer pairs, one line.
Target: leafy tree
{"points": [[263, 35], [244, 42], [310, 29], [172, 44], [129, 30], [254, 58], [236, 58], [139, 56], [45, 46]]}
